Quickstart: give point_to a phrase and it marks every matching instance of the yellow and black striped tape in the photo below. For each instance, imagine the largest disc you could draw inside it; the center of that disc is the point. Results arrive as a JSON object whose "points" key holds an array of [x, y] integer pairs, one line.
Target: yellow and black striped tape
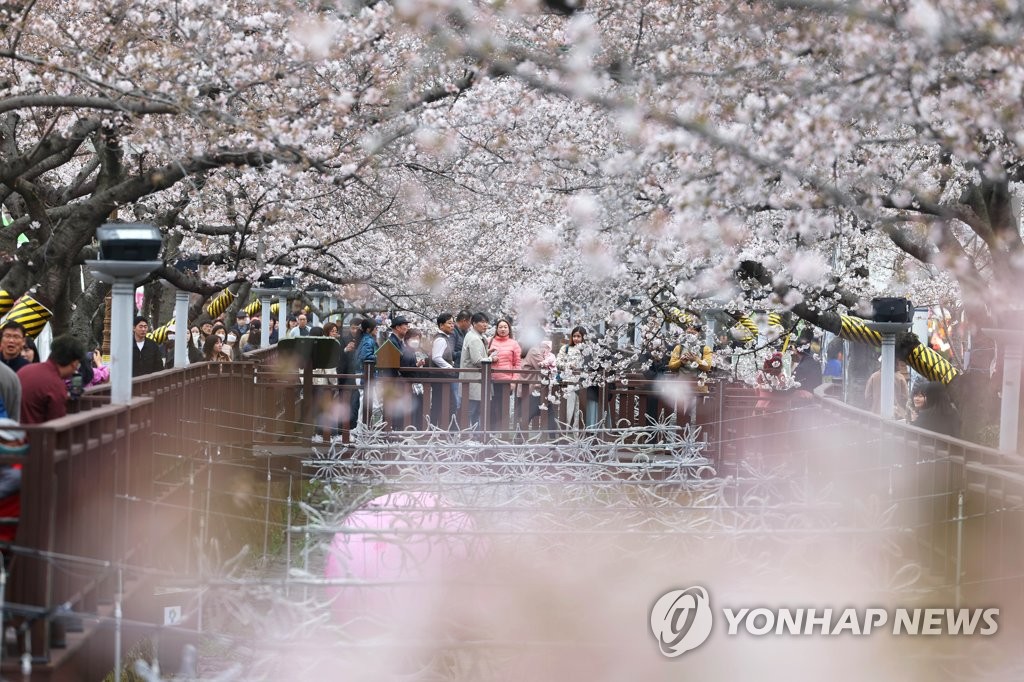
{"points": [[931, 365], [30, 314], [6, 301], [775, 319], [256, 306], [680, 317], [855, 329], [220, 304], [160, 333], [749, 326]]}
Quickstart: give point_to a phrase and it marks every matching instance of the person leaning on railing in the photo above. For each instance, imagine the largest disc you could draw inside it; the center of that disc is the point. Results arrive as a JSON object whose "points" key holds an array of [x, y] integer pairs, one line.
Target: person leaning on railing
{"points": [[366, 349], [12, 442], [10, 392], [541, 360], [506, 354], [570, 366], [474, 350], [691, 357], [442, 355], [44, 394]]}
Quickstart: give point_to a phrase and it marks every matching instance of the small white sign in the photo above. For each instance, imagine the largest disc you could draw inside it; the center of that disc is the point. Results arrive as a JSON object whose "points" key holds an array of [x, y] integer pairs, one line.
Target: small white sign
{"points": [[172, 615]]}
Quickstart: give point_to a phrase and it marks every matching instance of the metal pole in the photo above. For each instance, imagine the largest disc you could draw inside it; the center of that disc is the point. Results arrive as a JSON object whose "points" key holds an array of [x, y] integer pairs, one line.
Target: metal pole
{"points": [[180, 329], [1009, 408], [959, 544], [485, 394], [265, 326], [366, 405], [888, 375], [282, 316], [118, 613], [120, 341], [1010, 342]]}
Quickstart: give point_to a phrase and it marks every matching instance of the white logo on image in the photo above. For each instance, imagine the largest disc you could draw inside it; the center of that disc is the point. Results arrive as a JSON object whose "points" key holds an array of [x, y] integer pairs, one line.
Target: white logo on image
{"points": [[681, 620]]}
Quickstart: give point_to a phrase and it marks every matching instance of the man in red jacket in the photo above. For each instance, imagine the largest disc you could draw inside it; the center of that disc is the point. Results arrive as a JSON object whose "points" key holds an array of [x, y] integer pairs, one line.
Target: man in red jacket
{"points": [[44, 395]]}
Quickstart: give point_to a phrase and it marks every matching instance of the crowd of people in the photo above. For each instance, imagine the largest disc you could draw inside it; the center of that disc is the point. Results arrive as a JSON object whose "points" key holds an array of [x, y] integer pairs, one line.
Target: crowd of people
{"points": [[534, 379], [530, 381]]}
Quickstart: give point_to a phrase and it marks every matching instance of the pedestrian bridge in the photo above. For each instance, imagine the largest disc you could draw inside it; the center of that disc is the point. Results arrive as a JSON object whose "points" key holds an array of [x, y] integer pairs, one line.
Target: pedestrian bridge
{"points": [[202, 507]]}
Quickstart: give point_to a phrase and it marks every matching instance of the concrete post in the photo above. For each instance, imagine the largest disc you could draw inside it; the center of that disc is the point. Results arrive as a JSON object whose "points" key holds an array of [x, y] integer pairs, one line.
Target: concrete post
{"points": [[121, 341], [1010, 343], [485, 394], [282, 315], [366, 404], [888, 375], [888, 331], [265, 323], [181, 337]]}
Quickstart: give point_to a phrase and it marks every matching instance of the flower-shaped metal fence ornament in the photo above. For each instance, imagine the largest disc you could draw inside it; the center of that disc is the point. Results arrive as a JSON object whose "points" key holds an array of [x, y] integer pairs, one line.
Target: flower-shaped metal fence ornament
{"points": [[407, 547]]}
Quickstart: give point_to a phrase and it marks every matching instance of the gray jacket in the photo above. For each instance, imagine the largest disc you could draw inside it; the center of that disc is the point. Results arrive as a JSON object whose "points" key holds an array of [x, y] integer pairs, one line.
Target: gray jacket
{"points": [[10, 392], [474, 350]]}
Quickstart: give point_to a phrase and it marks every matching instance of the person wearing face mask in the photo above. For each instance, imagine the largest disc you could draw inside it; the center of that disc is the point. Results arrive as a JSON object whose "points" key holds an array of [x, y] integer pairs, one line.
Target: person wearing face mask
{"points": [[251, 340], [241, 324], [167, 350], [413, 358], [231, 345], [221, 332], [195, 344]]}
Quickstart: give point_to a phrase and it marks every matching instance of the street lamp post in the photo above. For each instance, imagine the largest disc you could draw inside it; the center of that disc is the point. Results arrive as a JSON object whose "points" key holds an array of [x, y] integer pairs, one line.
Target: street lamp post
{"points": [[180, 328], [128, 254], [888, 330], [269, 287], [891, 316], [265, 296]]}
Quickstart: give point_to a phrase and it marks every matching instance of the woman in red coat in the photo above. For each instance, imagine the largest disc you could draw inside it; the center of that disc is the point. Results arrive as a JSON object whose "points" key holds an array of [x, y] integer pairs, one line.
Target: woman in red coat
{"points": [[505, 355]]}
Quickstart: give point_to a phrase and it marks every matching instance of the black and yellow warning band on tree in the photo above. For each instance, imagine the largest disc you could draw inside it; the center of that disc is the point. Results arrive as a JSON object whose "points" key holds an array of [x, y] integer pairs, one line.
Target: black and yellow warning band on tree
{"points": [[925, 361], [6, 301], [931, 365], [856, 329], [30, 314], [160, 333], [256, 306], [220, 304], [749, 326]]}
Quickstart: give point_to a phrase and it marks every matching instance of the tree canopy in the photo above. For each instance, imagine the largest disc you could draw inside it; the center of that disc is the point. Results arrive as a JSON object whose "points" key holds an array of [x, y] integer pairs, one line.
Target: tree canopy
{"points": [[522, 155]]}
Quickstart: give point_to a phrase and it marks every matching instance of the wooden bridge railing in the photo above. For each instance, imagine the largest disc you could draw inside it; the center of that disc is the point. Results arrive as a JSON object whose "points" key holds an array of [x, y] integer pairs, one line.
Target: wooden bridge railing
{"points": [[105, 487]]}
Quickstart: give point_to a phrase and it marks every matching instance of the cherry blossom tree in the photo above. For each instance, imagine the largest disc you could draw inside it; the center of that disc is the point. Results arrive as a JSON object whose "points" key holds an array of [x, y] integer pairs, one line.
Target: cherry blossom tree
{"points": [[451, 153]]}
